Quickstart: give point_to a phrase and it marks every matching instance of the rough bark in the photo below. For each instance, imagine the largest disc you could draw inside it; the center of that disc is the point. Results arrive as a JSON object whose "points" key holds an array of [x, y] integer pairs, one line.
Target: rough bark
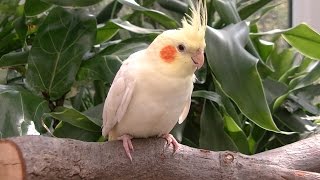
{"points": [[38, 157]]}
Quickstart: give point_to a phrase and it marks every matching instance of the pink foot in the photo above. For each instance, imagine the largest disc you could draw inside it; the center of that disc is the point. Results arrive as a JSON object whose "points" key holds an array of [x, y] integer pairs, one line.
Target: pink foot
{"points": [[171, 140], [127, 144]]}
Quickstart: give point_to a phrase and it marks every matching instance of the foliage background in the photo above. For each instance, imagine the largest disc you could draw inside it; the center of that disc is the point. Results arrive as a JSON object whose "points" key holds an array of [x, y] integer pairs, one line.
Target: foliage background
{"points": [[58, 61]]}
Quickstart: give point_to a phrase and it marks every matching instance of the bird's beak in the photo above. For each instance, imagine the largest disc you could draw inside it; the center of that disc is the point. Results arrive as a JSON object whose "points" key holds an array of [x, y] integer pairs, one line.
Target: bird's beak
{"points": [[198, 58]]}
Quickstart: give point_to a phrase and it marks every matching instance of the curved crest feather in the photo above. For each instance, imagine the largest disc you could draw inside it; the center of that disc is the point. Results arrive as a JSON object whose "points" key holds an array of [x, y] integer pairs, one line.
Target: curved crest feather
{"points": [[197, 22]]}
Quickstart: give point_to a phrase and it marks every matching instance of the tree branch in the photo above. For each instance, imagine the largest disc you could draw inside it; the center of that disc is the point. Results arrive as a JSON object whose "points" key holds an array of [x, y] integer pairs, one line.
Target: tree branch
{"points": [[39, 157]]}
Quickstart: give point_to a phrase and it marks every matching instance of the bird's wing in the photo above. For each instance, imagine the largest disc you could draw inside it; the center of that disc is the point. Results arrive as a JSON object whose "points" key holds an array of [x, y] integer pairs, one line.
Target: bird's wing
{"points": [[185, 111], [118, 99]]}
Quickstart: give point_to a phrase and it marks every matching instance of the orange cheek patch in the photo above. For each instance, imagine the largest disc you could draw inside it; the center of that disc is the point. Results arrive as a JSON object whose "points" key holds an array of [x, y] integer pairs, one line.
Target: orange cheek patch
{"points": [[168, 53]]}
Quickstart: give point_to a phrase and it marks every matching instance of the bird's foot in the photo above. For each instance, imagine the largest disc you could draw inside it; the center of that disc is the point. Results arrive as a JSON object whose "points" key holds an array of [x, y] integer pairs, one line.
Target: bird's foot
{"points": [[171, 140], [127, 144]]}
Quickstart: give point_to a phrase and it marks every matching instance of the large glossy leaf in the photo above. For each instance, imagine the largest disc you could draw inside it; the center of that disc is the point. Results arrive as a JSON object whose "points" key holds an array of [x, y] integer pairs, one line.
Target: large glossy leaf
{"points": [[76, 119], [56, 54], [228, 12], [157, 16], [228, 107], [35, 7], [236, 71], [212, 134], [20, 112], [72, 3], [99, 68], [14, 59]]}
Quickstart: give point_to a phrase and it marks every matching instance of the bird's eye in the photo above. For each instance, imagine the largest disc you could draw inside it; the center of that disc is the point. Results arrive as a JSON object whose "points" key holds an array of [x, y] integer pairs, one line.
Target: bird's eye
{"points": [[181, 48]]}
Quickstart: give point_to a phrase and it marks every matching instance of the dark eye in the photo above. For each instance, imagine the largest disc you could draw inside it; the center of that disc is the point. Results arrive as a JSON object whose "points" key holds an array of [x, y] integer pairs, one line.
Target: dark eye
{"points": [[181, 48]]}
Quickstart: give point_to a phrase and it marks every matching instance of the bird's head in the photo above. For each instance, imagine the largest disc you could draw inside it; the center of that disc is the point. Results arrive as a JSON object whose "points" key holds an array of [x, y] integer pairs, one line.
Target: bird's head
{"points": [[181, 51]]}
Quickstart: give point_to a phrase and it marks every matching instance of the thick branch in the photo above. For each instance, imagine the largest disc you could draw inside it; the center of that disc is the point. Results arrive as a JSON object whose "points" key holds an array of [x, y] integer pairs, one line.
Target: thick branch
{"points": [[38, 157], [302, 155]]}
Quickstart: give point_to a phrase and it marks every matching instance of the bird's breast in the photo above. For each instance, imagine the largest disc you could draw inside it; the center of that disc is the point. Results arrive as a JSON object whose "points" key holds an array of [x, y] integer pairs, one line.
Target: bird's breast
{"points": [[155, 107]]}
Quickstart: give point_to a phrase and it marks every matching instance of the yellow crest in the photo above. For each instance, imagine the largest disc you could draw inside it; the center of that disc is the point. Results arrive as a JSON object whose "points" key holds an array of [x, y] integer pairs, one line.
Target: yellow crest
{"points": [[195, 25]]}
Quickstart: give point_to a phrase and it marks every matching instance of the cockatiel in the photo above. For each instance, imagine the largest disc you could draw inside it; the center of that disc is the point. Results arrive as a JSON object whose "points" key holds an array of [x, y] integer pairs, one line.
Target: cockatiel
{"points": [[152, 90]]}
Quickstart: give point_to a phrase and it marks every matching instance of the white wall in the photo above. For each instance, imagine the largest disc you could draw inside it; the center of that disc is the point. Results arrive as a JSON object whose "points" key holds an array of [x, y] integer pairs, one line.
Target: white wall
{"points": [[307, 11]]}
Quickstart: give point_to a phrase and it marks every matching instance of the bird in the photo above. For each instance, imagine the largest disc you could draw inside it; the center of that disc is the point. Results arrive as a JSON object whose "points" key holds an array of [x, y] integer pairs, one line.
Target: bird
{"points": [[152, 90]]}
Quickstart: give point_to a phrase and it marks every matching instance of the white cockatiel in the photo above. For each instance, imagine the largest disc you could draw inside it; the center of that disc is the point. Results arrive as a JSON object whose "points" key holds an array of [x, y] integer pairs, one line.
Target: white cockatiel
{"points": [[152, 90]]}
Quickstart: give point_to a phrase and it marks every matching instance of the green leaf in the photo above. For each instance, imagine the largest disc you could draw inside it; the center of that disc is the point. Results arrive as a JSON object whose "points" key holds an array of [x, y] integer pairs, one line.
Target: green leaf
{"points": [[136, 29], [66, 130], [174, 5], [227, 11], [294, 122], [236, 71], [210, 95], [72, 3], [304, 39], [76, 119], [99, 68], [281, 62], [263, 11], [35, 7], [201, 74], [273, 89], [255, 138], [95, 112], [9, 43], [123, 49], [109, 11], [157, 16], [212, 134], [14, 59], [227, 106], [307, 98], [56, 54], [229, 14], [252, 8], [264, 48], [237, 135], [21, 28], [20, 112], [106, 32], [313, 77]]}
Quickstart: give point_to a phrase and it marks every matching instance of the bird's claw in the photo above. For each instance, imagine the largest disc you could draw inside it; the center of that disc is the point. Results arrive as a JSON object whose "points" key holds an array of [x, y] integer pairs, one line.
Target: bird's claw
{"points": [[171, 140], [127, 144]]}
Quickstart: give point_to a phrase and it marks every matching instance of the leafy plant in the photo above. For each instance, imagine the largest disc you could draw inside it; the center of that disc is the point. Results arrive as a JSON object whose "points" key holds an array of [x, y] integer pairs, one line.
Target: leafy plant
{"points": [[57, 64]]}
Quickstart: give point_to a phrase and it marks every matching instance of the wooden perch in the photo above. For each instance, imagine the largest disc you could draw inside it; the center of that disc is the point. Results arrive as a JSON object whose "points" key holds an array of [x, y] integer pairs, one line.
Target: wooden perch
{"points": [[39, 157]]}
